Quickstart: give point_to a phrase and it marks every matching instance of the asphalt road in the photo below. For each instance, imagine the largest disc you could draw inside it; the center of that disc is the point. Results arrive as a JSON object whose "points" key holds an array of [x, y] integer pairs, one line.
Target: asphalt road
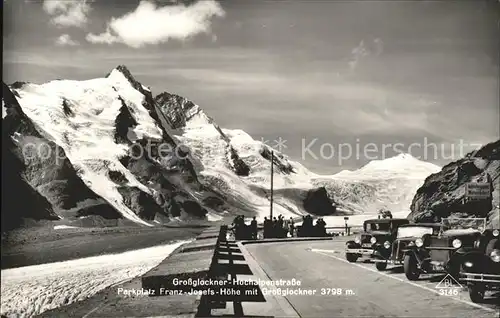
{"points": [[358, 290]]}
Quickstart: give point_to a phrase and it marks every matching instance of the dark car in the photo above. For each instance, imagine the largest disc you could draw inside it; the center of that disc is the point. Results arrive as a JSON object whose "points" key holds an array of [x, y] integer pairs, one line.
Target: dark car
{"points": [[443, 251], [375, 241], [480, 266], [409, 239]]}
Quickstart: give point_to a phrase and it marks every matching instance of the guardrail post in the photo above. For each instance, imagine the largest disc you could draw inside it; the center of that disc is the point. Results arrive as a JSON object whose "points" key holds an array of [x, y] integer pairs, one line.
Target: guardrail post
{"points": [[204, 309]]}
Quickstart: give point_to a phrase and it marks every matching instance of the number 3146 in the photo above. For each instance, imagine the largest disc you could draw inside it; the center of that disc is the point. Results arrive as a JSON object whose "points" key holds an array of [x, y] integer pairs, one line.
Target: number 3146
{"points": [[449, 292]]}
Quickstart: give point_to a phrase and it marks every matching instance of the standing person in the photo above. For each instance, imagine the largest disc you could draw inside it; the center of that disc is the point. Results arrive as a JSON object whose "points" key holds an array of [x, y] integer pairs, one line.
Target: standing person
{"points": [[279, 229], [317, 228], [275, 228], [291, 226], [302, 230], [267, 227], [236, 227], [322, 227], [253, 228], [286, 226]]}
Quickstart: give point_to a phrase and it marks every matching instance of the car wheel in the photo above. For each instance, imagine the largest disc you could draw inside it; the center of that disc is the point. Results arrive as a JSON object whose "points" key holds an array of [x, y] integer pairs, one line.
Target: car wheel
{"points": [[492, 244], [381, 266], [476, 293], [351, 258], [410, 267]]}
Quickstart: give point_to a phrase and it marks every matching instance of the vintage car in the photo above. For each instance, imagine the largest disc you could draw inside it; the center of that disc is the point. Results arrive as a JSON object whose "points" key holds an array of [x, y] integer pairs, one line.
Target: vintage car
{"points": [[408, 239], [480, 266], [443, 252], [375, 242]]}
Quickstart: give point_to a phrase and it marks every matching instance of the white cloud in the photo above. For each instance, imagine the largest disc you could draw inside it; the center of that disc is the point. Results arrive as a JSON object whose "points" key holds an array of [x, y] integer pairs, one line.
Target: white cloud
{"points": [[65, 40], [150, 24], [357, 54], [68, 13], [362, 51]]}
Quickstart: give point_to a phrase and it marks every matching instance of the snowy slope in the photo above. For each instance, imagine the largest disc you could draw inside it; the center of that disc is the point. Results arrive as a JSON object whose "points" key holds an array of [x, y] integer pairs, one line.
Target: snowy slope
{"points": [[229, 166], [88, 135], [207, 145], [390, 183], [401, 166], [213, 147]]}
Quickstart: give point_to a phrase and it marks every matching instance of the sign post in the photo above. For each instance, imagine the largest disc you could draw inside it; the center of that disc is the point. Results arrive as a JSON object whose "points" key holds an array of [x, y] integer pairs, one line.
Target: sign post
{"points": [[272, 164], [478, 190]]}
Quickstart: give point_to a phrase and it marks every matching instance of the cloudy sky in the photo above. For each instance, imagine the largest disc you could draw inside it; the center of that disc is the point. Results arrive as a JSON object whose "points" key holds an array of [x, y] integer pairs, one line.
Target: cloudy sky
{"points": [[323, 75]]}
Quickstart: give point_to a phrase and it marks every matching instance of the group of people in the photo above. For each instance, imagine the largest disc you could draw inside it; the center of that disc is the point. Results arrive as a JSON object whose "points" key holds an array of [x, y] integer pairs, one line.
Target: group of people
{"points": [[278, 227], [308, 229], [242, 231]]}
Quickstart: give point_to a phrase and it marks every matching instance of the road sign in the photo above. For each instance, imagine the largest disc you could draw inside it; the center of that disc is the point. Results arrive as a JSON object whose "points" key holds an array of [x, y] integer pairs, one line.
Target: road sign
{"points": [[449, 286], [478, 190], [346, 218]]}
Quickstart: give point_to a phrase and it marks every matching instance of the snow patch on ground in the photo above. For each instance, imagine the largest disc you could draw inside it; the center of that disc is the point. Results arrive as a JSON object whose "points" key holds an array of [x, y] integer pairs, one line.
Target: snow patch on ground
{"points": [[31, 290], [212, 217], [62, 227]]}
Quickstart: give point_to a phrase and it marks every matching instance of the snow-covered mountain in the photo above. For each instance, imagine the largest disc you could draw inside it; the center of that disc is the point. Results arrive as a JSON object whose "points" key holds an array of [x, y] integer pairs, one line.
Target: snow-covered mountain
{"points": [[401, 166], [116, 151], [390, 183]]}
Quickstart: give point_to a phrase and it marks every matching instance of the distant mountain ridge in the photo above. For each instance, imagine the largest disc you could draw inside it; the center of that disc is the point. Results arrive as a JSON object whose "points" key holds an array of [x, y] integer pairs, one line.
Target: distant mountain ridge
{"points": [[401, 165], [99, 126], [389, 183]]}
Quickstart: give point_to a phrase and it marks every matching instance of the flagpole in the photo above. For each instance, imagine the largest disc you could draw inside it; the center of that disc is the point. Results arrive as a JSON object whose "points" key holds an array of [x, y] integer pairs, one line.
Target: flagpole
{"points": [[272, 164]]}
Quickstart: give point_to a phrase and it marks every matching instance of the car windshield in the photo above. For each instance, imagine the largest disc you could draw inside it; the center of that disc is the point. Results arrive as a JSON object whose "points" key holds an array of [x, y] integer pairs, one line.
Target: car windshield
{"points": [[413, 231], [378, 227], [463, 224]]}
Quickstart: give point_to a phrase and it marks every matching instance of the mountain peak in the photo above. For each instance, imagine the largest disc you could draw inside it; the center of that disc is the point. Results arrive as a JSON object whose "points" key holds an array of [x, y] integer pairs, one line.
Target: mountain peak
{"points": [[180, 110], [401, 165], [123, 70], [400, 161], [404, 156]]}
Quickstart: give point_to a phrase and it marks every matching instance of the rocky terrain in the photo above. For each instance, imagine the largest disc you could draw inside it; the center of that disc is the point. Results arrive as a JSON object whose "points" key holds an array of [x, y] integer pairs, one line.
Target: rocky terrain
{"points": [[41, 185], [442, 193], [106, 152]]}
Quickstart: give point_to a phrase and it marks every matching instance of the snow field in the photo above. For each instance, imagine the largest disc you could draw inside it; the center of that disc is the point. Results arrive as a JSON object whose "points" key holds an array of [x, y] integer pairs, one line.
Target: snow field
{"points": [[31, 290]]}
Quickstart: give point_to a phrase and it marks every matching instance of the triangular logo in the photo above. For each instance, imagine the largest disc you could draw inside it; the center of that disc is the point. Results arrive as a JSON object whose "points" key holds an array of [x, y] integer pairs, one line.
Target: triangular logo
{"points": [[448, 282]]}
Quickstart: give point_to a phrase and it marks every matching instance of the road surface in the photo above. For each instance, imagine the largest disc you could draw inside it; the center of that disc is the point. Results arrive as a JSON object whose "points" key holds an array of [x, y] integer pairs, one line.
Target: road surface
{"points": [[365, 292]]}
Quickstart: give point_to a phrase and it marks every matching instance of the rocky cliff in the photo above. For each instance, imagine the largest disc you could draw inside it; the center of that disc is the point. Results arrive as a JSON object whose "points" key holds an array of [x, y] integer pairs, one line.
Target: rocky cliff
{"points": [[442, 194]]}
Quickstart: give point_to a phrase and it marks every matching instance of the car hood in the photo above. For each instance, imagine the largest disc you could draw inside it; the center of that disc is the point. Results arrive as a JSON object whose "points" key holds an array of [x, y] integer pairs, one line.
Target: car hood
{"points": [[378, 233], [408, 238], [457, 232]]}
